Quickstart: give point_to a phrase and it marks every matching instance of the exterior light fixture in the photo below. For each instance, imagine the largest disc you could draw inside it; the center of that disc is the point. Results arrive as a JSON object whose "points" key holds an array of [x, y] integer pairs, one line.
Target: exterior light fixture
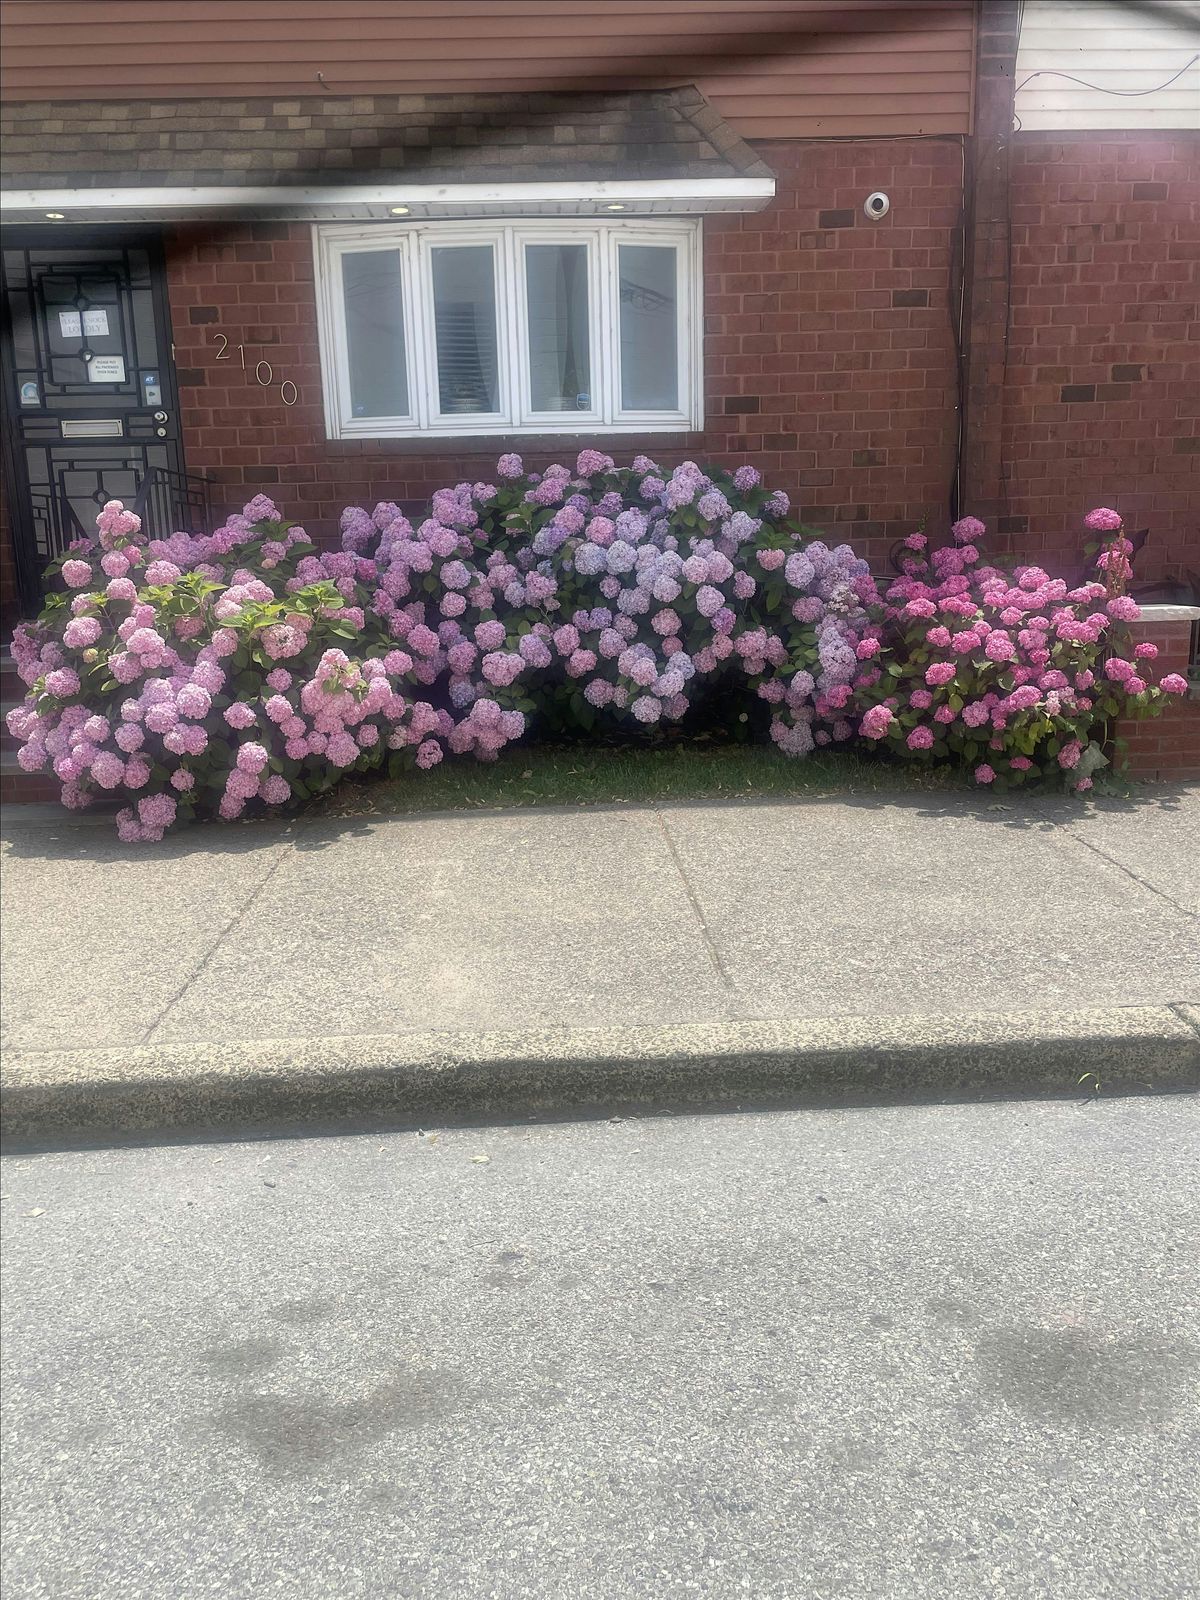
{"points": [[398, 211], [616, 206], [57, 216]]}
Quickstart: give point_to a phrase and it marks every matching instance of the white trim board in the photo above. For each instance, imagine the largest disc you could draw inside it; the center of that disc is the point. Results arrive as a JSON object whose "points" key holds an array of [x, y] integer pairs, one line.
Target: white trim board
{"points": [[644, 197]]}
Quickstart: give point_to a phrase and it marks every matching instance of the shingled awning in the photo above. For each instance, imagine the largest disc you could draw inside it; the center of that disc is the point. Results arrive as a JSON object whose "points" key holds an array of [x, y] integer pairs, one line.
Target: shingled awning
{"points": [[433, 155]]}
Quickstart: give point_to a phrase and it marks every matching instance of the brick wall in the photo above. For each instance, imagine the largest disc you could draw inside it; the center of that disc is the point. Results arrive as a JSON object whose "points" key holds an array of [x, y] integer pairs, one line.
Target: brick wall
{"points": [[828, 354], [1102, 388], [828, 351]]}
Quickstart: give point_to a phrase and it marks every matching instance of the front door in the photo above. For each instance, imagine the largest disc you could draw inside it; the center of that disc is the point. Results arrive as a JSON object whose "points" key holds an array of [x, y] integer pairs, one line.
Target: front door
{"points": [[89, 388]]}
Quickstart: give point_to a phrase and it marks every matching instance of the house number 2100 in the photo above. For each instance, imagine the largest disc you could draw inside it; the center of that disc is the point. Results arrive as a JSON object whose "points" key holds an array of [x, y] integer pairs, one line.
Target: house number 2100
{"points": [[263, 371]]}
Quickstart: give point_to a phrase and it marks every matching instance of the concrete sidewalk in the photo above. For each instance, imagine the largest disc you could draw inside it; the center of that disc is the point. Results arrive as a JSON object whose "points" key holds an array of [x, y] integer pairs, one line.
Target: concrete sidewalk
{"points": [[597, 918], [942, 906]]}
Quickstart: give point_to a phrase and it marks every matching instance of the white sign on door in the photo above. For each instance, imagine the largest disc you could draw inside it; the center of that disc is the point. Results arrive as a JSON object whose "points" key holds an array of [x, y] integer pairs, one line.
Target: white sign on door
{"points": [[69, 324], [106, 369], [95, 321]]}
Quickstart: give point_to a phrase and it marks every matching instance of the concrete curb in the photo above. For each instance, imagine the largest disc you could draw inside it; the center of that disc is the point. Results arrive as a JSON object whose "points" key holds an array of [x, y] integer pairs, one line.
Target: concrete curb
{"points": [[423, 1080]]}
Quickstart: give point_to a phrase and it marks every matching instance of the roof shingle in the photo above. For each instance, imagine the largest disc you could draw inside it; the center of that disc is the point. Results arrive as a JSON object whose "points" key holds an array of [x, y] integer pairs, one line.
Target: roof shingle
{"points": [[671, 133]]}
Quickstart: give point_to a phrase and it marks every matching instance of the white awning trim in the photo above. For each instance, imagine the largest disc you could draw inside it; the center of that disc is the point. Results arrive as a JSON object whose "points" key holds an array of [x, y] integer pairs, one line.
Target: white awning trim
{"points": [[638, 197]]}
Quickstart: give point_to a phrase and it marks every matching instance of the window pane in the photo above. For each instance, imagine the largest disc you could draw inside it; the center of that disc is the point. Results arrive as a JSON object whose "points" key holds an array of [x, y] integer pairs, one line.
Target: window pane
{"points": [[649, 341], [375, 333], [556, 278], [464, 309]]}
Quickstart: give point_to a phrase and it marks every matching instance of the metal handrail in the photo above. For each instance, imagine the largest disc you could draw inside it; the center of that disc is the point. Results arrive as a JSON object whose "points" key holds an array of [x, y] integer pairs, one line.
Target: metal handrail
{"points": [[163, 496]]}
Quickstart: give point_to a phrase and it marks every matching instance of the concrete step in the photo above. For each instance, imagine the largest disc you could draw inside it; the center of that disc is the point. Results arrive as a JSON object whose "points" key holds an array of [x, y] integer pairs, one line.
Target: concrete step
{"points": [[12, 692], [20, 787]]}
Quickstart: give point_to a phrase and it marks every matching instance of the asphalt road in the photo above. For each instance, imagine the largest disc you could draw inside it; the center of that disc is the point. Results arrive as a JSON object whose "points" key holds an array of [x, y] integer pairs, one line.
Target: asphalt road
{"points": [[944, 1352]]}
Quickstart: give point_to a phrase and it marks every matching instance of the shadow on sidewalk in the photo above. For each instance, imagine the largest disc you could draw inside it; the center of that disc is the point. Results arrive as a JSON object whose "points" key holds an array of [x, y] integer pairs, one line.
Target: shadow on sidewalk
{"points": [[93, 837]]}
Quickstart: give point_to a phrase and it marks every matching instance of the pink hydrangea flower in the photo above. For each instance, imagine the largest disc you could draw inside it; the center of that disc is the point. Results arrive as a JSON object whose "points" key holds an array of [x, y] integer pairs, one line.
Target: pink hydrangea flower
{"points": [[160, 572], [81, 632], [1070, 753], [252, 757], [968, 530], [1102, 520], [62, 682]]}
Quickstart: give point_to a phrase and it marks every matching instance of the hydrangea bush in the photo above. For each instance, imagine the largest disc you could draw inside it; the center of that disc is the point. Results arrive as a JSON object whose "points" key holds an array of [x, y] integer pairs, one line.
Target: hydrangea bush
{"points": [[1011, 674], [200, 674]]}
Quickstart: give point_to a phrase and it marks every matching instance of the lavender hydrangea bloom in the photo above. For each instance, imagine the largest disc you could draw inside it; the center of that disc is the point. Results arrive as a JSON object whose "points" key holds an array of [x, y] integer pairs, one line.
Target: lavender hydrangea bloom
{"points": [[631, 525], [741, 526], [621, 556], [432, 668], [713, 506], [799, 570], [590, 560], [357, 529]]}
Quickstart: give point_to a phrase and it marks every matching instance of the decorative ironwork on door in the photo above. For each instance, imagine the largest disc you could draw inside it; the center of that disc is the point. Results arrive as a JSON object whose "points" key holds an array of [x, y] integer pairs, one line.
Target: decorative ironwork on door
{"points": [[90, 385]]}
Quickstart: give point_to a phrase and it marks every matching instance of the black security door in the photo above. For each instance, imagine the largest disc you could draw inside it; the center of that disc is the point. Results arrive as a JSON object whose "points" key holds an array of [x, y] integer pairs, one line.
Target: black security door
{"points": [[89, 388]]}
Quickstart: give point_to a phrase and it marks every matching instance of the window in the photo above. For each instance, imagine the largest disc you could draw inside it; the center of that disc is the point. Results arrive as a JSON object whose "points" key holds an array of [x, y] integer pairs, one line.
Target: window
{"points": [[536, 327]]}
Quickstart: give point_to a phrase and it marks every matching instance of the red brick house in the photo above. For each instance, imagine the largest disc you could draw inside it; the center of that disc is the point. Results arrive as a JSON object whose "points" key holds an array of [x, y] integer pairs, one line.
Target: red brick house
{"points": [[343, 253]]}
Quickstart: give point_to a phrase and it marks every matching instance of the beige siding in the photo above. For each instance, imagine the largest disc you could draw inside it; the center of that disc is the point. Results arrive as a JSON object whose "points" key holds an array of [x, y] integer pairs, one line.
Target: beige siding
{"points": [[1119, 51], [775, 68]]}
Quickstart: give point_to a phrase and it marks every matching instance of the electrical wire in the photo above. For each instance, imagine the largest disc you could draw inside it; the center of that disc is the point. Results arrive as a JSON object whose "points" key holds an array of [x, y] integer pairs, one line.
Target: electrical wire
{"points": [[1128, 94]]}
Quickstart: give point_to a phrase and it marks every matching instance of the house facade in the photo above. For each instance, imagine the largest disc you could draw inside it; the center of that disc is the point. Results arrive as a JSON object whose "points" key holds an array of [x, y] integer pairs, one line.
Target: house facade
{"points": [[907, 259]]}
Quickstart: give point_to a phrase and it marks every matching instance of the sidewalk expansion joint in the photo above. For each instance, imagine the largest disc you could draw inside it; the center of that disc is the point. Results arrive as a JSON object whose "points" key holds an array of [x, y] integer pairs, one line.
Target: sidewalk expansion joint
{"points": [[1130, 873], [710, 944], [282, 851]]}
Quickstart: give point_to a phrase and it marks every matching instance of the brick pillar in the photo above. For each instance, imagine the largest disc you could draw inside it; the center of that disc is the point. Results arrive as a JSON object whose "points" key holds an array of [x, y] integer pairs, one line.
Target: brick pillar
{"points": [[987, 258], [1166, 747]]}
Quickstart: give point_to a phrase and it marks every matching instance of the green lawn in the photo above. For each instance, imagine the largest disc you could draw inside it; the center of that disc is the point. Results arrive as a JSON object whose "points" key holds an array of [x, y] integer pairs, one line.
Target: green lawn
{"points": [[594, 775]]}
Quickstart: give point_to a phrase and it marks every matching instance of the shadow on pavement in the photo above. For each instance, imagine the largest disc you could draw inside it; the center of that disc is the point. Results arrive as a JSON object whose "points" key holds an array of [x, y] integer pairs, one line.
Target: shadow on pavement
{"points": [[94, 837]]}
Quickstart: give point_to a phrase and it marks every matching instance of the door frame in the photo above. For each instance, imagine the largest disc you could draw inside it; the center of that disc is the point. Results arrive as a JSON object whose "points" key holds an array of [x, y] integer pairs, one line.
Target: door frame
{"points": [[17, 490]]}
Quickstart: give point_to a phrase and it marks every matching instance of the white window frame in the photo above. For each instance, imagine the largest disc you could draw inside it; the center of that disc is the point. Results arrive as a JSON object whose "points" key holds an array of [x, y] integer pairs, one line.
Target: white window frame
{"points": [[435, 419], [555, 421], [335, 367], [414, 243]]}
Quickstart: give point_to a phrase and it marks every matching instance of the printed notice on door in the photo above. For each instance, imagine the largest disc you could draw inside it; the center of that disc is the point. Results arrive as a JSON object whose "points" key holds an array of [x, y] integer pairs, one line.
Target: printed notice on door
{"points": [[106, 369], [95, 322], [69, 324]]}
